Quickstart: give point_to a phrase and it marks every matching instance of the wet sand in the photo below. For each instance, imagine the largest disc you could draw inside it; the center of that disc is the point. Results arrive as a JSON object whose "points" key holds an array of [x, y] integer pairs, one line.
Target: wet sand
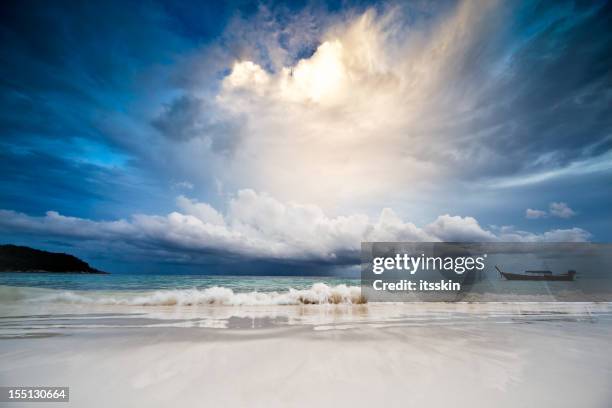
{"points": [[397, 355]]}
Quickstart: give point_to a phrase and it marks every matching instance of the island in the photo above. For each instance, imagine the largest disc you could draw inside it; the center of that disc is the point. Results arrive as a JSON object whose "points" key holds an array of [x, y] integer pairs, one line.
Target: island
{"points": [[14, 258]]}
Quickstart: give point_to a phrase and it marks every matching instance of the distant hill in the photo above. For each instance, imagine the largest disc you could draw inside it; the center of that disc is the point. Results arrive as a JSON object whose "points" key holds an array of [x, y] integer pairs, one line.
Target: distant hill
{"points": [[15, 258]]}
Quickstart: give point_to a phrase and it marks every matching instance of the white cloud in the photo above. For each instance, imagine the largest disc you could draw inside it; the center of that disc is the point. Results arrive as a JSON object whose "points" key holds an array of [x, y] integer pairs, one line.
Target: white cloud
{"points": [[453, 228], [398, 105], [510, 234], [247, 74], [566, 235], [201, 211], [258, 225], [561, 210], [534, 214], [369, 110]]}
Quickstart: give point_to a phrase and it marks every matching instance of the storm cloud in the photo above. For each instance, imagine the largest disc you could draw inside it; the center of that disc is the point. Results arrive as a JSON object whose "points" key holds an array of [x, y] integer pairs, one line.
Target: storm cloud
{"points": [[258, 226], [279, 119]]}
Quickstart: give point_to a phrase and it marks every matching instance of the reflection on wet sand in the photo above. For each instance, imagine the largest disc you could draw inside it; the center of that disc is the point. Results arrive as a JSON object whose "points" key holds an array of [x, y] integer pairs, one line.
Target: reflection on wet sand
{"points": [[318, 317]]}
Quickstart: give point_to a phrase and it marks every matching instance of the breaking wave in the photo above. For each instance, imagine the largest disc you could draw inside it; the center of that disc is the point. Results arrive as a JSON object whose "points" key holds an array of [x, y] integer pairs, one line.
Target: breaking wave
{"points": [[318, 293]]}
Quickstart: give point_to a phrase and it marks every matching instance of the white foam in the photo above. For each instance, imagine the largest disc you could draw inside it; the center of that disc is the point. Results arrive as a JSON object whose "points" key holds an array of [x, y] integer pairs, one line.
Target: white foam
{"points": [[319, 293]]}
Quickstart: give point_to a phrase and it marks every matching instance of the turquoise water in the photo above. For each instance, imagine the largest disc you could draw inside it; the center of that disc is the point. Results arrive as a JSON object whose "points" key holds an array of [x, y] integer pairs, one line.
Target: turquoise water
{"points": [[145, 282], [145, 289]]}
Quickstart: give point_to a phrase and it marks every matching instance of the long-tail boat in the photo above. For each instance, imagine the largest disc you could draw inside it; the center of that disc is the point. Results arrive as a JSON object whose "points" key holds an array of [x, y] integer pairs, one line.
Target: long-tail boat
{"points": [[538, 275]]}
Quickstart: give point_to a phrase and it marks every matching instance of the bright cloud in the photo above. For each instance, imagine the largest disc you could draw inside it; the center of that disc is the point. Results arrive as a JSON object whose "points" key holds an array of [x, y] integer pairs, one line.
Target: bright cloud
{"points": [[260, 226], [387, 107], [560, 210], [405, 106], [368, 111], [534, 214]]}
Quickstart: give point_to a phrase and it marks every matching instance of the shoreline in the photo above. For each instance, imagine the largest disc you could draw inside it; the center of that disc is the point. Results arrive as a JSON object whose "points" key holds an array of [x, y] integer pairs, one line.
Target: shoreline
{"points": [[484, 354], [560, 361]]}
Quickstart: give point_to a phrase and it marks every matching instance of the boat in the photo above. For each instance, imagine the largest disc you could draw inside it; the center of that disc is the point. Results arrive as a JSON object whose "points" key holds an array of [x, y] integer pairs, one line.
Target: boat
{"points": [[538, 275]]}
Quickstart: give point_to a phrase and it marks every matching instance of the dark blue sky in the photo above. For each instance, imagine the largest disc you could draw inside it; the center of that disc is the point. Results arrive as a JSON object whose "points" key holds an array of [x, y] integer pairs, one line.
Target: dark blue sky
{"points": [[263, 135]]}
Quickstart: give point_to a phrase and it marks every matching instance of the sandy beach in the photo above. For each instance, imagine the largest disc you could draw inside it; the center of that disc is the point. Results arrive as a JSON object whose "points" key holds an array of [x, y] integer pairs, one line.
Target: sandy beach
{"points": [[435, 355]]}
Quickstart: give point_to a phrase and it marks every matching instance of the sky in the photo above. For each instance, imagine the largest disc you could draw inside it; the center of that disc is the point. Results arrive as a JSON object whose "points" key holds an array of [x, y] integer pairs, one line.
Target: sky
{"points": [[268, 137]]}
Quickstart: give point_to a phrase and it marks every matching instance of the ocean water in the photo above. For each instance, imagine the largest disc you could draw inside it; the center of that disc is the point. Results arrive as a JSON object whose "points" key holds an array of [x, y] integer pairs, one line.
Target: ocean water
{"points": [[143, 282], [185, 290], [193, 290]]}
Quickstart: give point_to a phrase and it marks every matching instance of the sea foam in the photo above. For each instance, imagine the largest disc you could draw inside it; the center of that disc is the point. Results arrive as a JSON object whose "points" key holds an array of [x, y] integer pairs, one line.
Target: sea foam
{"points": [[318, 293]]}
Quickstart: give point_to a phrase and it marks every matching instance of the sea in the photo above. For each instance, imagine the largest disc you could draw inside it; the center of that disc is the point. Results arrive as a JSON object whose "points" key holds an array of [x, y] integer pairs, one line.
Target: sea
{"points": [[227, 290], [167, 290]]}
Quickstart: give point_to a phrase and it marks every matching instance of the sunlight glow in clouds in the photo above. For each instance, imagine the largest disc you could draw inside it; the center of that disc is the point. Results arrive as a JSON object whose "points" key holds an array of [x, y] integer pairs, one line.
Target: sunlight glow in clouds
{"points": [[360, 116], [389, 106]]}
